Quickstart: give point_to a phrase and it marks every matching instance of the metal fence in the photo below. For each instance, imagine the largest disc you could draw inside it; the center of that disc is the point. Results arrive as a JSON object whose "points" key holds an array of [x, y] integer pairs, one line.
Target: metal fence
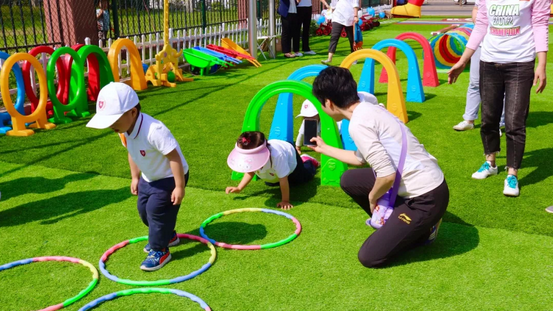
{"points": [[137, 17], [24, 25]]}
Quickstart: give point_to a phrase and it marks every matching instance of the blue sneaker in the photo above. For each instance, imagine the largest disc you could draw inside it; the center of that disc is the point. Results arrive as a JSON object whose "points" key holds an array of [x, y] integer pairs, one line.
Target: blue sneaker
{"points": [[433, 233], [511, 186], [173, 242], [156, 260]]}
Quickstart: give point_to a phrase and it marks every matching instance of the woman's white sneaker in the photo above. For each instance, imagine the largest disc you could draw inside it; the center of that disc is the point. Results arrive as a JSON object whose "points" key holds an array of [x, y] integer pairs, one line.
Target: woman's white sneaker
{"points": [[485, 171], [463, 126], [511, 186]]}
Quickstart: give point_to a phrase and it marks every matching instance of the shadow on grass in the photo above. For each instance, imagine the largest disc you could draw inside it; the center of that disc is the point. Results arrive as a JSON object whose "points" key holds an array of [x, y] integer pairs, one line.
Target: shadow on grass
{"points": [[232, 232], [413, 115], [61, 207], [299, 194], [539, 160], [456, 237], [539, 118], [26, 185]]}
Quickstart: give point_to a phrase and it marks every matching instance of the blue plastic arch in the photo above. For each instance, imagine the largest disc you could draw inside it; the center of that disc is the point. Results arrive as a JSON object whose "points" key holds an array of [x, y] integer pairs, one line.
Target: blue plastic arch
{"points": [[415, 92], [283, 120], [19, 102]]}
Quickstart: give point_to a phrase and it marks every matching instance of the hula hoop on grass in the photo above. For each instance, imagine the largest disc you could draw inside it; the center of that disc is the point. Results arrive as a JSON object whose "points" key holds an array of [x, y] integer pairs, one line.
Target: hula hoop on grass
{"points": [[128, 292], [71, 300], [251, 247], [105, 256]]}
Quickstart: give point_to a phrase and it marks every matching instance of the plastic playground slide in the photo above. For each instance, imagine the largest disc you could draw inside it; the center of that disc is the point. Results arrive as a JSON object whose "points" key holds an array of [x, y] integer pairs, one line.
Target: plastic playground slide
{"points": [[411, 9]]}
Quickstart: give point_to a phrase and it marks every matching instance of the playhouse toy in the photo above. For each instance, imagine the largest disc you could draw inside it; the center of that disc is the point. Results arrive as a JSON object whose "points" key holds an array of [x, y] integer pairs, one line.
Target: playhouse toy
{"points": [[69, 301], [251, 247]]}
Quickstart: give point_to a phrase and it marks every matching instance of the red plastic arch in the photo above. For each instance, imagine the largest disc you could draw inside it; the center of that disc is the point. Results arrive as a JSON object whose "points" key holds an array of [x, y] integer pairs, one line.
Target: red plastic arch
{"points": [[429, 74], [26, 69]]}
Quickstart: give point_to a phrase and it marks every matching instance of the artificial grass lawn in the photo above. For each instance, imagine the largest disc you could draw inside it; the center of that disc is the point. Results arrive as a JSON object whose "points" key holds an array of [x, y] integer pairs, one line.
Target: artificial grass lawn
{"points": [[66, 192]]}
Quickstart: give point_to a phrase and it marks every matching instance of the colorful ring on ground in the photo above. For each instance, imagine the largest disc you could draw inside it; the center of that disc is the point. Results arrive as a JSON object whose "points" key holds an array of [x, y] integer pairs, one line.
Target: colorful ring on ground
{"points": [[127, 292], [251, 247], [105, 256], [69, 301]]}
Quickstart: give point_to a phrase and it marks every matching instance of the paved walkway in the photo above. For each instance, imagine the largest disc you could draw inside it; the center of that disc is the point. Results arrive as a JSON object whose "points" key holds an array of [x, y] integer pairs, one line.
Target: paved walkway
{"points": [[445, 8]]}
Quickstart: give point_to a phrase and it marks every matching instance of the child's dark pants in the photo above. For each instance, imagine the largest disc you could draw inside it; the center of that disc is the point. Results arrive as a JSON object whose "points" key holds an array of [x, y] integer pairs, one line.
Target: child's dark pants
{"points": [[157, 211]]}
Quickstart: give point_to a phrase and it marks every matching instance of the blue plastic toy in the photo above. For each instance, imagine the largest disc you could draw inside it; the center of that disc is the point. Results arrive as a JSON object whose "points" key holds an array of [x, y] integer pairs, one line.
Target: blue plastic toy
{"points": [[382, 15], [415, 92], [5, 118], [145, 67]]}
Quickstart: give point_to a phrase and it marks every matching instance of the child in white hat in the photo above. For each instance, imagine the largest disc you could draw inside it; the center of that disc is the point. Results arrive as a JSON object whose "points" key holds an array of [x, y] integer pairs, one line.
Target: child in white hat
{"points": [[308, 111], [158, 168]]}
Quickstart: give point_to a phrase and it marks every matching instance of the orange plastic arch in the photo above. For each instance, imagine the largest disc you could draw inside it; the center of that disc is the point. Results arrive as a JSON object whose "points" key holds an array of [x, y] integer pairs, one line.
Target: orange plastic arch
{"points": [[396, 100], [39, 115], [138, 81]]}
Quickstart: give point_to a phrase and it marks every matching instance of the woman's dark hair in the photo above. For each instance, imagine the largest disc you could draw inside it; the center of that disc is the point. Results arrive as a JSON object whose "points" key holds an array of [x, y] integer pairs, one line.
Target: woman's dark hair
{"points": [[337, 85], [250, 140]]}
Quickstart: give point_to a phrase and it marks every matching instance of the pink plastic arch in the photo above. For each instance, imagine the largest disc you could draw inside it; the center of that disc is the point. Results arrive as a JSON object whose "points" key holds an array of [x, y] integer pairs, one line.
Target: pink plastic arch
{"points": [[429, 72]]}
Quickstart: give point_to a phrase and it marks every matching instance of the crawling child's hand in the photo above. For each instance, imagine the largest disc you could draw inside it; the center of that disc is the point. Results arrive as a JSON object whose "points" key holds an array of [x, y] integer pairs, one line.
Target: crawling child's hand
{"points": [[232, 190], [285, 205]]}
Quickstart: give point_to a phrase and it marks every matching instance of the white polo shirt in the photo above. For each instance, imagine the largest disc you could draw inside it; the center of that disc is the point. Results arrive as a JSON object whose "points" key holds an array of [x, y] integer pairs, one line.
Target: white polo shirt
{"points": [[281, 163], [378, 137], [343, 11], [148, 145]]}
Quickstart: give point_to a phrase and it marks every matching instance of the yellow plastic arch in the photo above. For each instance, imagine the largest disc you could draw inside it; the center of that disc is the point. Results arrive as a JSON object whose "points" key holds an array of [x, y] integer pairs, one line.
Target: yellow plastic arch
{"points": [[396, 100], [39, 115], [138, 81]]}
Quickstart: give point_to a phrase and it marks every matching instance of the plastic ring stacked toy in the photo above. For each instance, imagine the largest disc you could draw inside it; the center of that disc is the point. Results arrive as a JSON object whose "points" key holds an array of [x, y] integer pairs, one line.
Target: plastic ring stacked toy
{"points": [[449, 47], [128, 292], [69, 301], [250, 247], [179, 279]]}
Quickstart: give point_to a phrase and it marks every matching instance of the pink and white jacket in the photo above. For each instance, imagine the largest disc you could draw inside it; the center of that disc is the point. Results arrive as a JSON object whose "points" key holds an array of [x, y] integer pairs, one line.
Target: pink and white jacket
{"points": [[511, 30]]}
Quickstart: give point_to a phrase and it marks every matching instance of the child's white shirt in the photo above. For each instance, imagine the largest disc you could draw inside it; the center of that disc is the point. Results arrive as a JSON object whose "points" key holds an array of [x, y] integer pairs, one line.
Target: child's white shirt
{"points": [[281, 163], [148, 144]]}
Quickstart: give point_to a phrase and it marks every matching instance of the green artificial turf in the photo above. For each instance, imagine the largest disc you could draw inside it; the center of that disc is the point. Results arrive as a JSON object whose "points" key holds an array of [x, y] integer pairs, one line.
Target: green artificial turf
{"points": [[66, 192]]}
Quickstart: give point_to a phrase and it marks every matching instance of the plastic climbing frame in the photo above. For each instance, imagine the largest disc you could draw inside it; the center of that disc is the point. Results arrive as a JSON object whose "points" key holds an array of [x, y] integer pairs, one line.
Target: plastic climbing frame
{"points": [[331, 169]]}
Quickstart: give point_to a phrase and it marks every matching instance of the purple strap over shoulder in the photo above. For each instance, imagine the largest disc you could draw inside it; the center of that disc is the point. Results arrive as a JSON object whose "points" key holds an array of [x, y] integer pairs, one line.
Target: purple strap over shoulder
{"points": [[395, 187]]}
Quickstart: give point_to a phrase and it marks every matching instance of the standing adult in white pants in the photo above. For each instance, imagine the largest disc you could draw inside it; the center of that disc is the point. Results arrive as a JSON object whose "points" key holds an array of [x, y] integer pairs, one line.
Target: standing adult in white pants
{"points": [[473, 93]]}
